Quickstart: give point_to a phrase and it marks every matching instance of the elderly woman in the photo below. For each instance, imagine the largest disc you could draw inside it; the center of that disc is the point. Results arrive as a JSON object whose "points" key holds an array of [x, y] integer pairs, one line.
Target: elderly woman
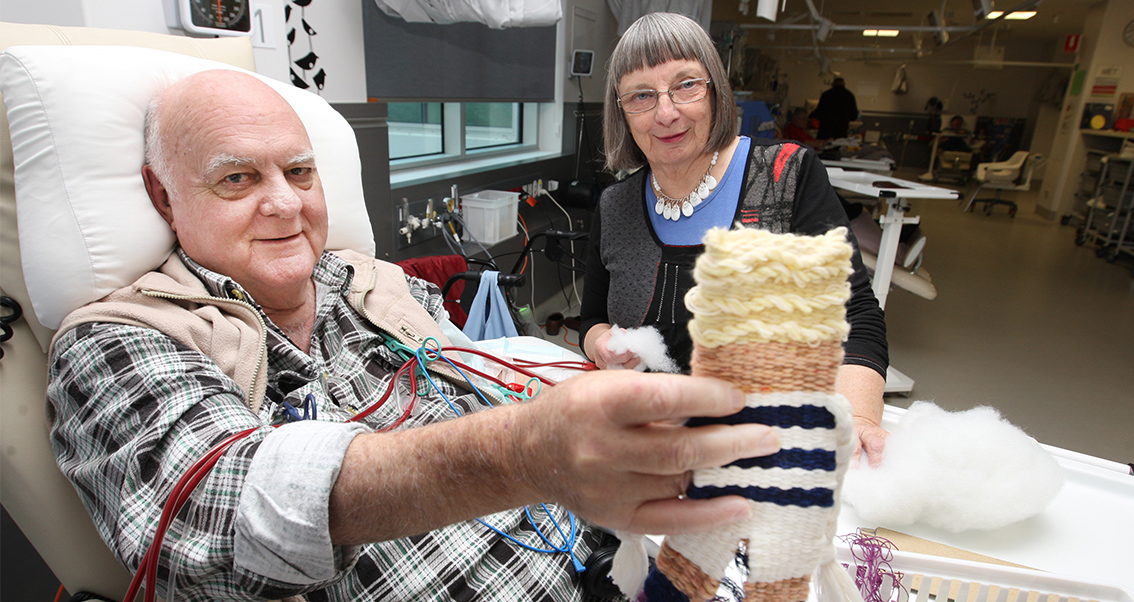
{"points": [[670, 114]]}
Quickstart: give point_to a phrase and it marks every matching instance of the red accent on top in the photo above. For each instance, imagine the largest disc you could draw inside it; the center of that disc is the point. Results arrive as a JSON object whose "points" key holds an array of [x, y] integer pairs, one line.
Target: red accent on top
{"points": [[781, 159]]}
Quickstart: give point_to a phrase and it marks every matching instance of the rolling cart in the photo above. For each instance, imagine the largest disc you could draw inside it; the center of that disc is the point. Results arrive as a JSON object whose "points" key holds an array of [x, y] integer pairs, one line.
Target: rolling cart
{"points": [[1107, 224]]}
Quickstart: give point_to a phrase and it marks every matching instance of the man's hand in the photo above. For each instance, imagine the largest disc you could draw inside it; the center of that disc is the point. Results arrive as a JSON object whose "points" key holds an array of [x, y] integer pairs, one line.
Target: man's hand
{"points": [[609, 446]]}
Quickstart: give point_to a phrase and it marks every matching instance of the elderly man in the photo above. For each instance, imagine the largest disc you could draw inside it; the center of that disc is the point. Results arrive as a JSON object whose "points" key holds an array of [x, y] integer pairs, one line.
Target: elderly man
{"points": [[250, 321]]}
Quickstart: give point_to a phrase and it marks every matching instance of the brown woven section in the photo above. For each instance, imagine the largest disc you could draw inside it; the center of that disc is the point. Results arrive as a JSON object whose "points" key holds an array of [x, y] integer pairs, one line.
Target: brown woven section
{"points": [[771, 367], [795, 589], [687, 577]]}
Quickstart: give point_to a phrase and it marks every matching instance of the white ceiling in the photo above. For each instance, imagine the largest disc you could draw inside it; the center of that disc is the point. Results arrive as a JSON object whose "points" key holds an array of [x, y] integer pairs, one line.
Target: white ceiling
{"points": [[1054, 21]]}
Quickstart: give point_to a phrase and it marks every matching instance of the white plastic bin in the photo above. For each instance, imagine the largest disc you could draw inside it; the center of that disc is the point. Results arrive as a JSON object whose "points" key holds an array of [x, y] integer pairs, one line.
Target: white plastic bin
{"points": [[490, 215]]}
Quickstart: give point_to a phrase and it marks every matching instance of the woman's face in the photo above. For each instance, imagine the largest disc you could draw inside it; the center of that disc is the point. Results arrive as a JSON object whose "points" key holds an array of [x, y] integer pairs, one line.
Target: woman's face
{"points": [[670, 135]]}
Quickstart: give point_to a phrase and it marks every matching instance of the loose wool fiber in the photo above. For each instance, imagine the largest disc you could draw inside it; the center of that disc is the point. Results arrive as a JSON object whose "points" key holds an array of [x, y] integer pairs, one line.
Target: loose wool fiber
{"points": [[956, 471], [646, 342]]}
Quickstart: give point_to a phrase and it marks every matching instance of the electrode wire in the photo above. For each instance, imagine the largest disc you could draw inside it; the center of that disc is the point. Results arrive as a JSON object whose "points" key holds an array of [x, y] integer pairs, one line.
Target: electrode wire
{"points": [[183, 489]]}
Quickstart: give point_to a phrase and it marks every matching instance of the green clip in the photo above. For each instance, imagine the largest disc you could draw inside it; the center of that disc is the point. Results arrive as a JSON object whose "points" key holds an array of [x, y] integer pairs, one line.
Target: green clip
{"points": [[399, 348]]}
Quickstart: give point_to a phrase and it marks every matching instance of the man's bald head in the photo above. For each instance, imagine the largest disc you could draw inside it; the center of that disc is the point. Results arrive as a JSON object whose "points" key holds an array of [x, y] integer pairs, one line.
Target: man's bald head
{"points": [[231, 170], [193, 99]]}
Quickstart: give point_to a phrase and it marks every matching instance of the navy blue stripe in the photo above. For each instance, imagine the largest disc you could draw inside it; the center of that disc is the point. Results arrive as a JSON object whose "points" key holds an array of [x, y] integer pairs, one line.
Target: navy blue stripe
{"points": [[809, 459], [796, 496], [808, 417]]}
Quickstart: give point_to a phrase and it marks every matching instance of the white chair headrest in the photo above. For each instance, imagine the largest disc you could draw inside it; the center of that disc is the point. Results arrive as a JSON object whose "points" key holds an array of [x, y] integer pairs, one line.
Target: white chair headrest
{"points": [[86, 225]]}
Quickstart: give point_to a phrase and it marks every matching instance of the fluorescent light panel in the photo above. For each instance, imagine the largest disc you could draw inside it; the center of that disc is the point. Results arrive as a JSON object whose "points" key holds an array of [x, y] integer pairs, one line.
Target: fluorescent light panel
{"points": [[1020, 15], [996, 14], [881, 33]]}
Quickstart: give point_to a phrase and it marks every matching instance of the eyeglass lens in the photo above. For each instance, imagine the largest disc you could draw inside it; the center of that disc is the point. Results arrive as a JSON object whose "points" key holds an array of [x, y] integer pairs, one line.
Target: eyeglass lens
{"points": [[640, 101]]}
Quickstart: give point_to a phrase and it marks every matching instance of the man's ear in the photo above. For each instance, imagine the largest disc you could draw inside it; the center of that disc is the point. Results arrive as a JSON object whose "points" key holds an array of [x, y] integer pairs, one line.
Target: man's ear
{"points": [[159, 194]]}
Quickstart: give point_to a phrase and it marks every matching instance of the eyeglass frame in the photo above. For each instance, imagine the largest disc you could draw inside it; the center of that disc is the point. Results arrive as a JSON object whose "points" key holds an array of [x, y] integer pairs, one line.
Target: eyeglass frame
{"points": [[657, 95]]}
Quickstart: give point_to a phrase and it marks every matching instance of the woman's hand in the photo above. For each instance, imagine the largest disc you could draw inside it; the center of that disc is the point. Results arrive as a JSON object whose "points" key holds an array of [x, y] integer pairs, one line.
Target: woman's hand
{"points": [[863, 388], [598, 350], [870, 440]]}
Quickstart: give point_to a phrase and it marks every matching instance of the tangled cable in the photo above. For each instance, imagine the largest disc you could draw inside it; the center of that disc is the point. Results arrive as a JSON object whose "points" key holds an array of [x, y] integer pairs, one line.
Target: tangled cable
{"points": [[415, 358]]}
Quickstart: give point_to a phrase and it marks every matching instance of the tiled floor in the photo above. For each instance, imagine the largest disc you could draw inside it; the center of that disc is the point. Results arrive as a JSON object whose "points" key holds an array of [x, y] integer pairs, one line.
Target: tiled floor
{"points": [[1024, 321]]}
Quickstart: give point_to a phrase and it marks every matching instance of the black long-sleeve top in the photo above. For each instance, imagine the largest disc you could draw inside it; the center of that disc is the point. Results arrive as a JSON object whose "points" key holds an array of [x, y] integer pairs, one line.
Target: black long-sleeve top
{"points": [[633, 279]]}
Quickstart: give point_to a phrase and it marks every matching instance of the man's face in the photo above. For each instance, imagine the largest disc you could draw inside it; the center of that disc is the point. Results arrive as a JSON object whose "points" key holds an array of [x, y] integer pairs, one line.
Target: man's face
{"points": [[245, 199]]}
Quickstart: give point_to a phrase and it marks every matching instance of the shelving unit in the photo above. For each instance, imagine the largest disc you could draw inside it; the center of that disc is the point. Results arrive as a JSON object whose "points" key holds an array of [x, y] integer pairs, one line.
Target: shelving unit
{"points": [[1109, 209], [1088, 185]]}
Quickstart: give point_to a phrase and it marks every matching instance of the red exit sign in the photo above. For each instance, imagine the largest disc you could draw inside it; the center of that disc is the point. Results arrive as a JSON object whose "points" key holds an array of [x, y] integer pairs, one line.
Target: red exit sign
{"points": [[1071, 44]]}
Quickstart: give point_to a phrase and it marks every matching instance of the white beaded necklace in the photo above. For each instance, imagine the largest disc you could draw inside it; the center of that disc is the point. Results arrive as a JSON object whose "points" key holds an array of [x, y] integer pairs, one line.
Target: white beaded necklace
{"points": [[673, 209]]}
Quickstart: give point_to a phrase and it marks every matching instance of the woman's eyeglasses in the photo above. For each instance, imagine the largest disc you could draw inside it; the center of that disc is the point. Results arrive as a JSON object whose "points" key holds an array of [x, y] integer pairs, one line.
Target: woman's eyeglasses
{"points": [[640, 101]]}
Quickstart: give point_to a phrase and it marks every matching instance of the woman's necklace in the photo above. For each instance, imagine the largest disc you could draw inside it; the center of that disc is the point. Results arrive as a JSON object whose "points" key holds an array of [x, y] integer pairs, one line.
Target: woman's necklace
{"points": [[671, 208]]}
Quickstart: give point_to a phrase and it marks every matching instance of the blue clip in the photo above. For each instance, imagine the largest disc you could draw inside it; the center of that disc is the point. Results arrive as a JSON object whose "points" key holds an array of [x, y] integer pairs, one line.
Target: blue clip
{"points": [[309, 409]]}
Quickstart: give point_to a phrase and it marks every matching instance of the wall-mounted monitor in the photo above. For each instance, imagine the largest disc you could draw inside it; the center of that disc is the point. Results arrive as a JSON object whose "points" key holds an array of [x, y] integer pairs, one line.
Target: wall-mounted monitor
{"points": [[582, 62]]}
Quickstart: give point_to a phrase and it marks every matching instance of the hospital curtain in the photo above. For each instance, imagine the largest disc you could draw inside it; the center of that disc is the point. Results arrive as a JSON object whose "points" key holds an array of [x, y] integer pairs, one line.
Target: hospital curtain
{"points": [[456, 62]]}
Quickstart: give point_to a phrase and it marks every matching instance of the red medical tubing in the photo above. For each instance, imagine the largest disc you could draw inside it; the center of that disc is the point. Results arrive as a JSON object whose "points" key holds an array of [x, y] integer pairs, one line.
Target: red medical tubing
{"points": [[147, 570]]}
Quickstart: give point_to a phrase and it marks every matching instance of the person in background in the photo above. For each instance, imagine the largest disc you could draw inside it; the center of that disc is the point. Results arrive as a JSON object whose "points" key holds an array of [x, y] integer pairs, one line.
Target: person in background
{"points": [[956, 137], [669, 114], [797, 130], [837, 108], [251, 326]]}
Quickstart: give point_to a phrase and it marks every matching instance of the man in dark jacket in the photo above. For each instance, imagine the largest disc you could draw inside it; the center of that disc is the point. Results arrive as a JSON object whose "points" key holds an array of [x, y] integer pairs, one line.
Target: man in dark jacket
{"points": [[837, 108]]}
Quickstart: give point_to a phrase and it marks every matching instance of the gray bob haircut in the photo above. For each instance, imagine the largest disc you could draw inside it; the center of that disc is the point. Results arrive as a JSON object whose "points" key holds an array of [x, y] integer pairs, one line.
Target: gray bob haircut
{"points": [[652, 40]]}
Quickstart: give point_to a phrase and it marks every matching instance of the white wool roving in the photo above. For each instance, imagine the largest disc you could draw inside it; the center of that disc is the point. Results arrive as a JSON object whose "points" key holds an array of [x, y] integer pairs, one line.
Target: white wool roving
{"points": [[955, 471], [645, 342]]}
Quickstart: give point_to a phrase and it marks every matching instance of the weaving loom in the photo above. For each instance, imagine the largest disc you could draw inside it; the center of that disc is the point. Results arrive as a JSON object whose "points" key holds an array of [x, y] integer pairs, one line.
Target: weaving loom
{"points": [[769, 316]]}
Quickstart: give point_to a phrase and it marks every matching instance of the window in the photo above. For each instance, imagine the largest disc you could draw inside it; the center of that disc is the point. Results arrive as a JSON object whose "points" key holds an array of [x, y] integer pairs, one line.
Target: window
{"points": [[489, 124], [415, 129], [435, 133]]}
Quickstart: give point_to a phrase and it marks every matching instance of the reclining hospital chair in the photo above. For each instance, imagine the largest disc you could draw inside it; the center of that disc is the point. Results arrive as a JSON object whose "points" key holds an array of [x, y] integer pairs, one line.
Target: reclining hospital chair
{"points": [[77, 224], [1013, 174]]}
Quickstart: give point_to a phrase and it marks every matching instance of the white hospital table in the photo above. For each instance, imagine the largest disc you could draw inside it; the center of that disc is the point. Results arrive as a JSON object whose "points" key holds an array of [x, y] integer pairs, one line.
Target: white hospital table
{"points": [[881, 166], [895, 193], [1086, 533]]}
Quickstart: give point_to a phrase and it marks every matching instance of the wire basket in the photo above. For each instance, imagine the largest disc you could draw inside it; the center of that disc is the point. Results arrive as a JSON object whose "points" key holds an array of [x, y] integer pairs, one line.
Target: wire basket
{"points": [[924, 578]]}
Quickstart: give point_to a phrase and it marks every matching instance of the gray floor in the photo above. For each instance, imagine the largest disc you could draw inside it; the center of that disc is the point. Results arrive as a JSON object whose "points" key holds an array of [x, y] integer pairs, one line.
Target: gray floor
{"points": [[1024, 321]]}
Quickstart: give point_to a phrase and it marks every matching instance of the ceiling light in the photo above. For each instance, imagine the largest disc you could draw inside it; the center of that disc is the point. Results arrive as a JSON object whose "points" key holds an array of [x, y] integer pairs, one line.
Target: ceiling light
{"points": [[996, 14], [870, 33], [1020, 15], [888, 33]]}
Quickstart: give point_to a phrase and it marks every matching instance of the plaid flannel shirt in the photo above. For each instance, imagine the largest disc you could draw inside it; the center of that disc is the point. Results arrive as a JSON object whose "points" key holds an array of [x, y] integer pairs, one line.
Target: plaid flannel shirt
{"points": [[132, 409]]}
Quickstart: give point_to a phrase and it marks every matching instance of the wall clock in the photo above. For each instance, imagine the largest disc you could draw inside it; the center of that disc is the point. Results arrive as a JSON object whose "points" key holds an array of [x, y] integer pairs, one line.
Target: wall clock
{"points": [[210, 17], [1128, 34]]}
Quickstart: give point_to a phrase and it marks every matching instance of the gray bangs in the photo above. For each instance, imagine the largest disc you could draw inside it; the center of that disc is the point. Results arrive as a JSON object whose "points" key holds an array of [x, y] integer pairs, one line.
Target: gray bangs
{"points": [[654, 39]]}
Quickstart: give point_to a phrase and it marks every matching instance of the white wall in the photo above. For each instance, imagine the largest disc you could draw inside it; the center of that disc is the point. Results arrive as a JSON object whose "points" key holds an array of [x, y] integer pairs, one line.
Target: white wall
{"points": [[1102, 45], [338, 39], [68, 13]]}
